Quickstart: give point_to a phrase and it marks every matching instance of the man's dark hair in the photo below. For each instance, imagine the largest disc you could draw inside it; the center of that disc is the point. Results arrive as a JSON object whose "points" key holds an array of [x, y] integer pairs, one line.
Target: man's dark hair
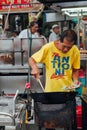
{"points": [[33, 23], [70, 35], [39, 31]]}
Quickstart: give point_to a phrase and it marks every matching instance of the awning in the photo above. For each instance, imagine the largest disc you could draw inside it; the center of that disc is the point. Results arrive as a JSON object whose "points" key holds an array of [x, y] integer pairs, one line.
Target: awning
{"points": [[67, 7], [59, 1]]}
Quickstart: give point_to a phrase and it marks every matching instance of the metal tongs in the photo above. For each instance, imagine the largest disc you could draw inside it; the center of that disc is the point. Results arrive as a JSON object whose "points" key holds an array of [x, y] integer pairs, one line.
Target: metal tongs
{"points": [[39, 81]]}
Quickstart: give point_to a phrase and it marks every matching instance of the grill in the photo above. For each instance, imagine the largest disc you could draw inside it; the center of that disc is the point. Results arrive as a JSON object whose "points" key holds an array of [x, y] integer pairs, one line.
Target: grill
{"points": [[55, 110]]}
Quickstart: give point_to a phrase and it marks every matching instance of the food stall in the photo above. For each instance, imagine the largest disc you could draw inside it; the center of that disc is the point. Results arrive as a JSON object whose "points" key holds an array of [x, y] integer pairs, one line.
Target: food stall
{"points": [[16, 12], [15, 72]]}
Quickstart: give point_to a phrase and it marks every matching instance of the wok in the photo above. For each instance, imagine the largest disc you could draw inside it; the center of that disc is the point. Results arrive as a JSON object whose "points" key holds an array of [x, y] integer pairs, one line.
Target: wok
{"points": [[53, 97], [55, 109]]}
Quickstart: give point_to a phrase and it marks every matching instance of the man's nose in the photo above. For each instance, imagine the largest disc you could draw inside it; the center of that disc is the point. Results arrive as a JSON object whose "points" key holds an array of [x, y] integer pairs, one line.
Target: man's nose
{"points": [[66, 49]]}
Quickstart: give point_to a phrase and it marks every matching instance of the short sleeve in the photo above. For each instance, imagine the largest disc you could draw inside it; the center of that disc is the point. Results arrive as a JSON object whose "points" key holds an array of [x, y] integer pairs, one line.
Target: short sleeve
{"points": [[76, 62]]}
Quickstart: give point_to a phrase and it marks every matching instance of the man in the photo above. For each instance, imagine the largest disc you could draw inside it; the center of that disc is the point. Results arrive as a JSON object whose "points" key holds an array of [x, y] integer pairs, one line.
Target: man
{"points": [[55, 33], [62, 61], [31, 32]]}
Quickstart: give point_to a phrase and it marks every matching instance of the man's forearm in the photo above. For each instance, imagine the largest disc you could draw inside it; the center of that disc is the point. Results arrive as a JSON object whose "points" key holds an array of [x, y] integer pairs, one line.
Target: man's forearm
{"points": [[35, 69], [75, 75], [32, 62]]}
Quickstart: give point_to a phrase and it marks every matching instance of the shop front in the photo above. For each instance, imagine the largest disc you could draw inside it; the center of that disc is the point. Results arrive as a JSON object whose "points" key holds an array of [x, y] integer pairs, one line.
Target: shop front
{"points": [[16, 12]]}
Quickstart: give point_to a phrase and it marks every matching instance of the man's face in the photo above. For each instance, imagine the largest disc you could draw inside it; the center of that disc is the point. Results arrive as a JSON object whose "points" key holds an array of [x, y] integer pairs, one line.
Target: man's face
{"points": [[34, 28], [56, 30], [65, 46]]}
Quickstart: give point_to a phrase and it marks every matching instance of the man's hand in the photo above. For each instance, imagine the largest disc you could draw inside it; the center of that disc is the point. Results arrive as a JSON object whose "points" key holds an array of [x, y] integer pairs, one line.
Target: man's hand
{"points": [[35, 71], [77, 83]]}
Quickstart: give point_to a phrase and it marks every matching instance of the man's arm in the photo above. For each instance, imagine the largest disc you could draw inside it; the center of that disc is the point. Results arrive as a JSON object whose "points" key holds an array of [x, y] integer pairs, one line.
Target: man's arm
{"points": [[34, 67], [40, 12], [75, 76]]}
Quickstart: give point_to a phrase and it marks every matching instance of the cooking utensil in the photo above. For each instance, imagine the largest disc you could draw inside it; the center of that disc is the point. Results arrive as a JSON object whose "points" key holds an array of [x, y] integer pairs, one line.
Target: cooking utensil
{"points": [[40, 84]]}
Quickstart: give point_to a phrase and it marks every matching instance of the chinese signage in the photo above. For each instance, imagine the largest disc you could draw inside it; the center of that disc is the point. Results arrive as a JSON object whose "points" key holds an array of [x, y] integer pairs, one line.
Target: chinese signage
{"points": [[17, 6]]}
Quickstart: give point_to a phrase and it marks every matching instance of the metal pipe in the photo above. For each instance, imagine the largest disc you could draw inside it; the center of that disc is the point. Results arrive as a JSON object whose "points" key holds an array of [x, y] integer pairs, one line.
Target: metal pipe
{"points": [[78, 42], [11, 116], [14, 101], [32, 108]]}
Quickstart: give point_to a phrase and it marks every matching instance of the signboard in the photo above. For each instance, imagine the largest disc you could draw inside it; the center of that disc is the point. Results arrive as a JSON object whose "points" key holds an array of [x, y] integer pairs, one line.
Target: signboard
{"points": [[16, 6], [2, 2]]}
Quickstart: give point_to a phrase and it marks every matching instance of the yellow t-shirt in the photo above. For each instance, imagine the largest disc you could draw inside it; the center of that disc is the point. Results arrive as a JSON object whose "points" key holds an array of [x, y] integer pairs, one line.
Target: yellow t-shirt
{"points": [[58, 66]]}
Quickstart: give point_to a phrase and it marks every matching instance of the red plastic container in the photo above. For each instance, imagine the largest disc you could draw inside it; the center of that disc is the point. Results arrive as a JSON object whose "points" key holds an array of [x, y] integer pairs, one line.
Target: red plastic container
{"points": [[81, 73], [79, 117]]}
